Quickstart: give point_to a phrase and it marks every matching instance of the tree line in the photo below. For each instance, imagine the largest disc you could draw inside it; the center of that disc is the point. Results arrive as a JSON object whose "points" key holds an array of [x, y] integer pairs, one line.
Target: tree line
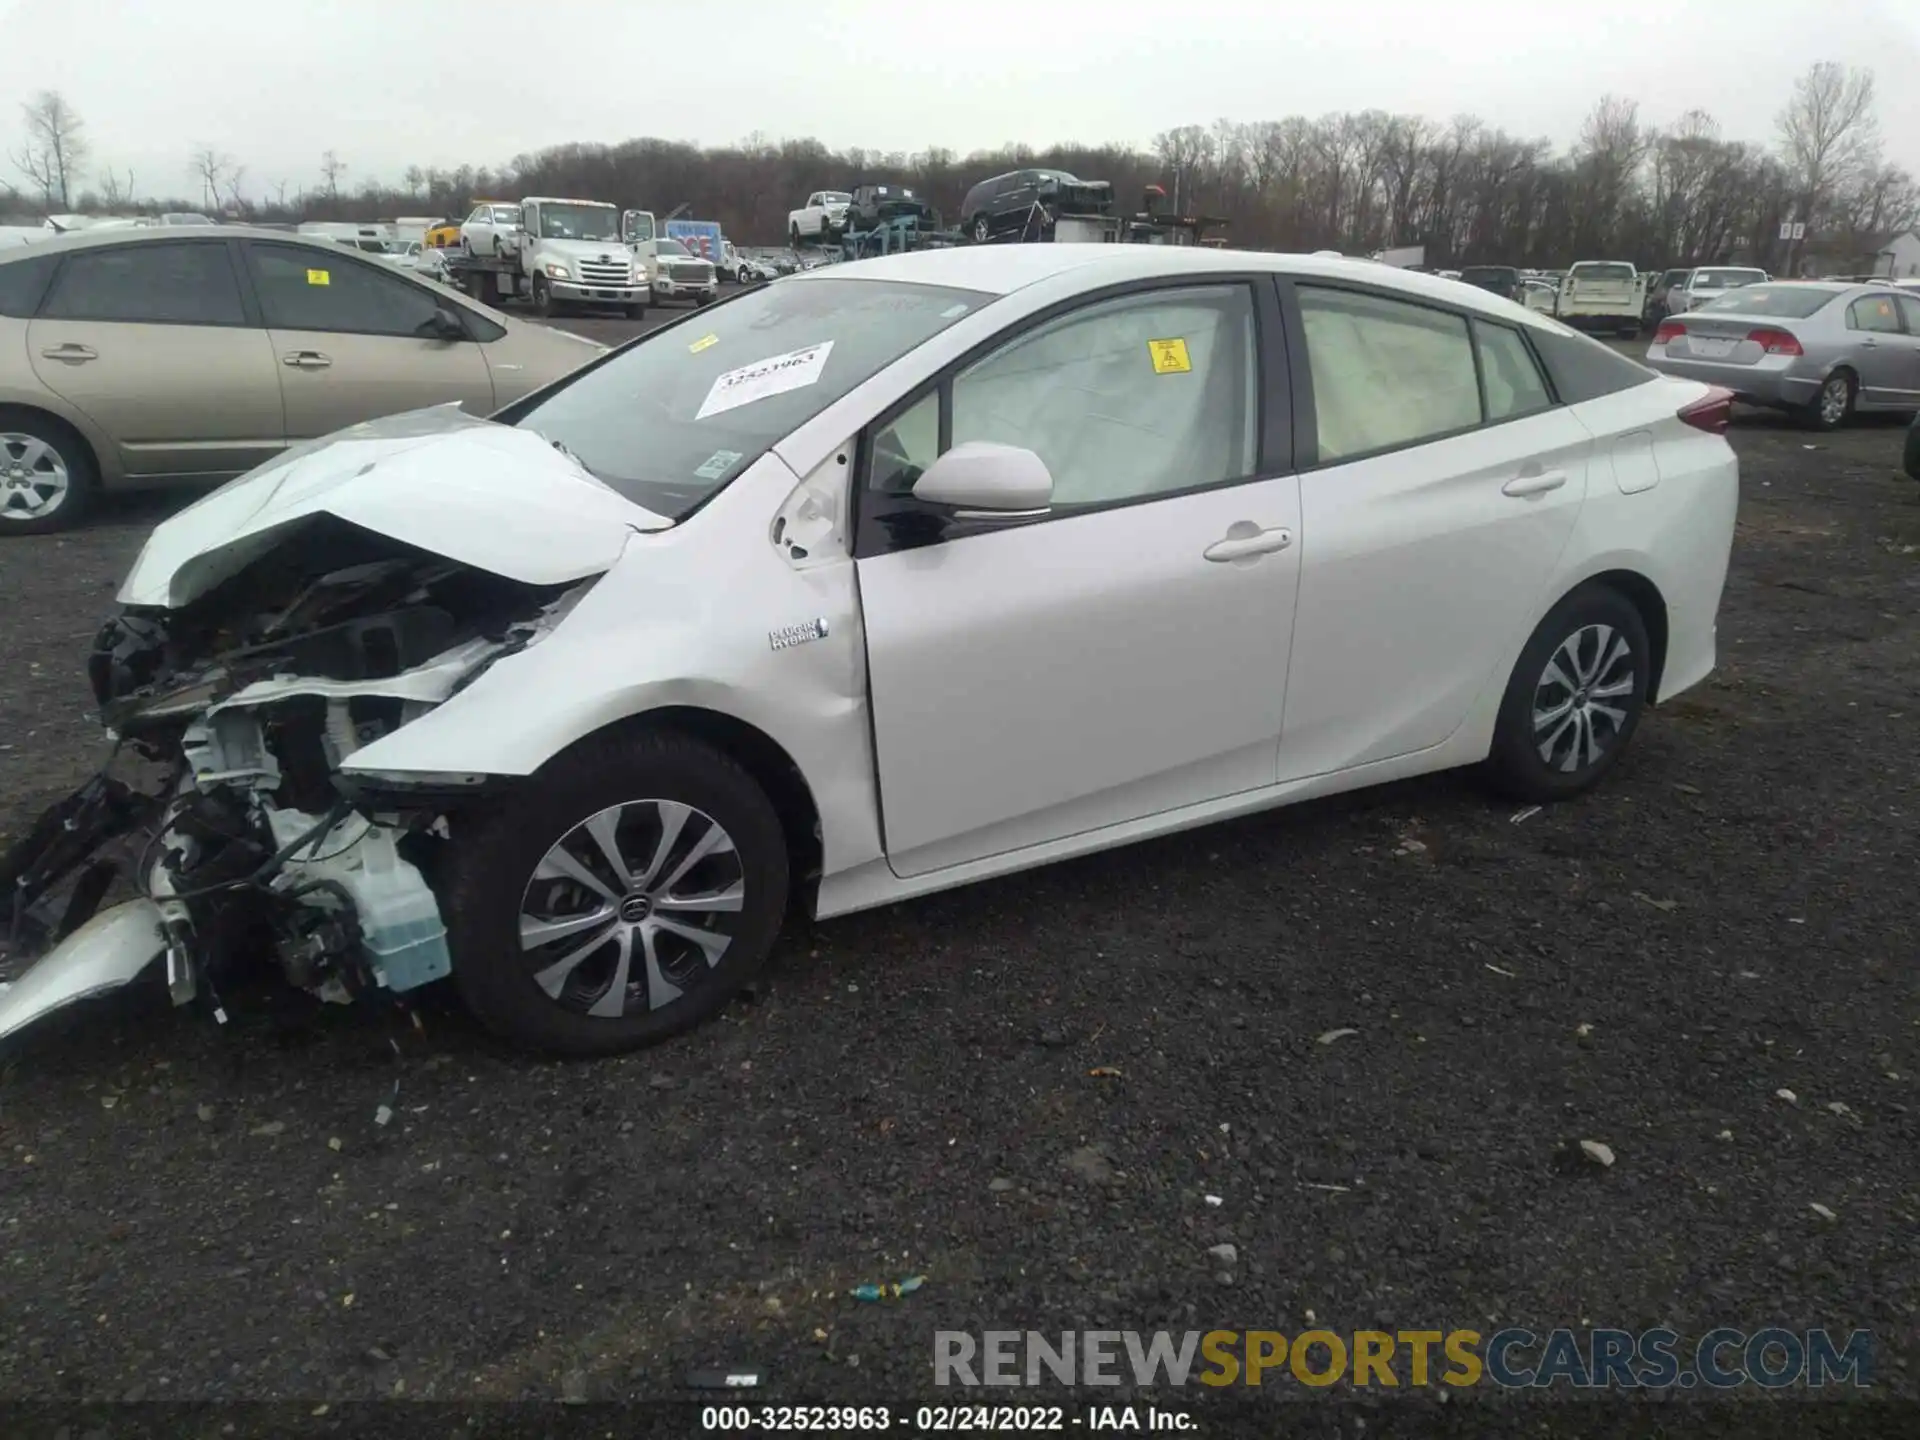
{"points": [[1466, 190]]}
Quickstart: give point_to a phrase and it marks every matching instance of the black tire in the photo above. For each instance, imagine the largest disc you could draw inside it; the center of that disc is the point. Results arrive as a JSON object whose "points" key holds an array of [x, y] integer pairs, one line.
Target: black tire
{"points": [[1515, 766], [31, 430], [491, 871], [982, 229], [1816, 415], [636, 312], [793, 235], [542, 296]]}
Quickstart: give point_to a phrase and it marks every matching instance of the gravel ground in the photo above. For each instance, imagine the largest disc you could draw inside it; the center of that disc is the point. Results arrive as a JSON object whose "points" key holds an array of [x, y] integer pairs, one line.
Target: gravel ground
{"points": [[189, 1213]]}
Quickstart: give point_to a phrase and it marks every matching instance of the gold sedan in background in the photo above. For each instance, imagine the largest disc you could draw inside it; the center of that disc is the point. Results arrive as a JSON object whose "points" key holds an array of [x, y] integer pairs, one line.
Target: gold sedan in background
{"points": [[157, 357]]}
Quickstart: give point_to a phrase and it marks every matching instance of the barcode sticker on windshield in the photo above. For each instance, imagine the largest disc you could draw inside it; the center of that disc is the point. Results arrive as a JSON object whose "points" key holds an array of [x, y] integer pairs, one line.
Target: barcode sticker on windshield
{"points": [[775, 375], [319, 277]]}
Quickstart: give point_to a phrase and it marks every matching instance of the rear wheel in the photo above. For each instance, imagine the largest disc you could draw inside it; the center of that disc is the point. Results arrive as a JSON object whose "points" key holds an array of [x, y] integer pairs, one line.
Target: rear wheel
{"points": [[1832, 407], [1574, 698], [47, 477], [626, 895], [793, 234], [982, 231]]}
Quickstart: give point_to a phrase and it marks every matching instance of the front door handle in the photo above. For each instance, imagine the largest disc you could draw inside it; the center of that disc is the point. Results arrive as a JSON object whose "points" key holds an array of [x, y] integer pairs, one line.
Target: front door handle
{"points": [[1534, 484], [1248, 542], [72, 354], [305, 360]]}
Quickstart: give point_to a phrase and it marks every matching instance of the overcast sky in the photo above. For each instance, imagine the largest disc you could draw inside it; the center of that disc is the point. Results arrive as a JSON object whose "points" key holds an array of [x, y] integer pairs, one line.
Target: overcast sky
{"points": [[391, 83]]}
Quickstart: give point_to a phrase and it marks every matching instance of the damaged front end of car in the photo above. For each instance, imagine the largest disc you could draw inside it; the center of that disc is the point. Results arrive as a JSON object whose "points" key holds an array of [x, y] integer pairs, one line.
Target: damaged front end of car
{"points": [[224, 812]]}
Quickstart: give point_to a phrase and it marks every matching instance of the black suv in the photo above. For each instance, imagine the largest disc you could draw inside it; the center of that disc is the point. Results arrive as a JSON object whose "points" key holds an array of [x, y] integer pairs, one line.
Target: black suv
{"points": [[1502, 280], [1006, 203], [876, 204]]}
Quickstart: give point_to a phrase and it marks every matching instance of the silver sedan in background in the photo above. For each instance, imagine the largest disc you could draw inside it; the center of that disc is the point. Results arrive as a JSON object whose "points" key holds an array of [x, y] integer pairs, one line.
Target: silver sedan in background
{"points": [[1818, 349]]}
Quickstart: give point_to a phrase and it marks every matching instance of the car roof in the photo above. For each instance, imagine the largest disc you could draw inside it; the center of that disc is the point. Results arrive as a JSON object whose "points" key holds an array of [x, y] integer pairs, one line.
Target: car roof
{"points": [[1003, 269], [158, 235]]}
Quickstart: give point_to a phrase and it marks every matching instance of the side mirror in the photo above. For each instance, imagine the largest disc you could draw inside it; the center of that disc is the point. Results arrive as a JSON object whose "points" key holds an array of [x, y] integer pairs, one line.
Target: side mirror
{"points": [[987, 481], [445, 325]]}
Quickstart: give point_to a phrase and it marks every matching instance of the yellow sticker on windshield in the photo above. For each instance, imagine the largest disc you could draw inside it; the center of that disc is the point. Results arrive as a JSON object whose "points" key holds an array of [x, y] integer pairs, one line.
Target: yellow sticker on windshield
{"points": [[702, 343], [1169, 357], [319, 277]]}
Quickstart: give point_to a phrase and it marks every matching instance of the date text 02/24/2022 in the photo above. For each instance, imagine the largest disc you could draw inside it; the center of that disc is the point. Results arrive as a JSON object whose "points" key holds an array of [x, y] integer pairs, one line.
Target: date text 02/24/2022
{"points": [[941, 1419]]}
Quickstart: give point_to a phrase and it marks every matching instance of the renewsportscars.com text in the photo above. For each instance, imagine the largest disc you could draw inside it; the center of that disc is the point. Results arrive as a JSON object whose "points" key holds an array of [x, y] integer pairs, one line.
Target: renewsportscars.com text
{"points": [[1513, 1358]]}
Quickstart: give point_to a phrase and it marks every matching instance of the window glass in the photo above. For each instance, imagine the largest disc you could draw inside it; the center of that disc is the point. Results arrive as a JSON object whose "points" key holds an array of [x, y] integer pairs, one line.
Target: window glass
{"points": [[1875, 313], [1508, 375], [1725, 279], [1385, 373], [23, 282], [1910, 307], [1134, 397], [1601, 270], [904, 448], [302, 289], [1789, 301], [171, 284]]}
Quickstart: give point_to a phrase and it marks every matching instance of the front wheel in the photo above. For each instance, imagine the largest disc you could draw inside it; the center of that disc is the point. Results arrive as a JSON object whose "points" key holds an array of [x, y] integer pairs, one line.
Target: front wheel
{"points": [[1833, 406], [636, 312], [625, 895], [1574, 698], [793, 234], [981, 230], [542, 296]]}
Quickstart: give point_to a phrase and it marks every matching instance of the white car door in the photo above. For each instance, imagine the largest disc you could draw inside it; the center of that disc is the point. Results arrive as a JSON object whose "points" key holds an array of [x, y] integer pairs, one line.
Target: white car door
{"points": [[1112, 660], [1438, 488]]}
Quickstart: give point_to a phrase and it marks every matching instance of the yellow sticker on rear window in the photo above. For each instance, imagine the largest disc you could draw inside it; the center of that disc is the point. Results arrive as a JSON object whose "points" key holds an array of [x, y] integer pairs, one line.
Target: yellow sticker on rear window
{"points": [[1169, 357], [319, 277], [702, 343]]}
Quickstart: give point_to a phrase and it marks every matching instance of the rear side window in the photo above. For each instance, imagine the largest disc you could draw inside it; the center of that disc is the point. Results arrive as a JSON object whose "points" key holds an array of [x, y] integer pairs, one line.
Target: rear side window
{"points": [[1580, 367], [1875, 313], [189, 283], [23, 282], [1510, 381], [1910, 307], [1385, 373]]}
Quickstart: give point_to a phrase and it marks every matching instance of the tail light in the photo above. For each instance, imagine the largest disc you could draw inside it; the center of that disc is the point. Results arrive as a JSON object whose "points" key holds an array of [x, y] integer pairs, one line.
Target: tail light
{"points": [[1712, 412], [1777, 342], [1669, 330]]}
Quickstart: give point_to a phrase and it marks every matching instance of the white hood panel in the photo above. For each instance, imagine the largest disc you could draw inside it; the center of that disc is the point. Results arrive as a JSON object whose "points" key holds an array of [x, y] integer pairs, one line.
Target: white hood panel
{"points": [[486, 495]]}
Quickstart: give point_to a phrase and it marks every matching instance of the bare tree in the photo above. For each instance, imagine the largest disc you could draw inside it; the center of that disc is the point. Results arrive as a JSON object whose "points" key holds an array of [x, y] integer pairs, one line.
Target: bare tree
{"points": [[280, 194], [1828, 135], [234, 178], [113, 194], [416, 179], [55, 149], [332, 167], [209, 166]]}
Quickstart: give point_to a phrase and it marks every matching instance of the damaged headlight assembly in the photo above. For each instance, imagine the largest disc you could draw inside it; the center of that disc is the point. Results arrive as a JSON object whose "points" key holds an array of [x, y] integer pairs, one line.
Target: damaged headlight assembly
{"points": [[244, 839]]}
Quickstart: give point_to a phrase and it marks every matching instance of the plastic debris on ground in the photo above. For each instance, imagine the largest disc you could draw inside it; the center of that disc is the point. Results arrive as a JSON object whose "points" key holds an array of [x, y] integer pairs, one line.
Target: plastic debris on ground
{"points": [[724, 1378], [888, 1292], [1332, 1035], [1601, 1155], [1519, 816], [1105, 1072]]}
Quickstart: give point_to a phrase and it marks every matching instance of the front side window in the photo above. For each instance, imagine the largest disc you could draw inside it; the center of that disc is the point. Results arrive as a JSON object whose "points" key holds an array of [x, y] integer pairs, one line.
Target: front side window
{"points": [[669, 420], [1875, 313], [181, 283], [303, 289], [1385, 373]]}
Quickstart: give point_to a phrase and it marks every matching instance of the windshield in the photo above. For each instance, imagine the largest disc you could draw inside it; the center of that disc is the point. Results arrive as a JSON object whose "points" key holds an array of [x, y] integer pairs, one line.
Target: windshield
{"points": [[669, 420], [671, 247], [578, 222], [1794, 302], [835, 197], [1726, 279], [1602, 270]]}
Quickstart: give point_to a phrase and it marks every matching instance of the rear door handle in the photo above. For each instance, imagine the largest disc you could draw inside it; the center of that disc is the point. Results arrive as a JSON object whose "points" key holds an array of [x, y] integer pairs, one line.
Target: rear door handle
{"points": [[73, 354], [1534, 484], [1869, 344], [1243, 546], [306, 360]]}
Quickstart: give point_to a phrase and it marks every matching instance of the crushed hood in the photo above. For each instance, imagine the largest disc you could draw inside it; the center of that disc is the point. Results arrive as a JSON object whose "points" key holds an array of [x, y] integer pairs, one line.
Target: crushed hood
{"points": [[496, 498]]}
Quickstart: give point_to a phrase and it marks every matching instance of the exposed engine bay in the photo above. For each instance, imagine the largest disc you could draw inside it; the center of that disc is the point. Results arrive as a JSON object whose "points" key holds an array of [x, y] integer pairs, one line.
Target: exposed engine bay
{"points": [[243, 840]]}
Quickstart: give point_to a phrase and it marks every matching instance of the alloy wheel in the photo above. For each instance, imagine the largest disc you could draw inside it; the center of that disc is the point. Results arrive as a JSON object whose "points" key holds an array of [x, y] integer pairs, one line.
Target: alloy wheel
{"points": [[1579, 709], [33, 477], [632, 908], [1833, 400]]}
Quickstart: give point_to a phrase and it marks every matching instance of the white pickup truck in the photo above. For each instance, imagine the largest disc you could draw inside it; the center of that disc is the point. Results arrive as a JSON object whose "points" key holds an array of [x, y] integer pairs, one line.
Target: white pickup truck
{"points": [[1603, 295], [823, 217]]}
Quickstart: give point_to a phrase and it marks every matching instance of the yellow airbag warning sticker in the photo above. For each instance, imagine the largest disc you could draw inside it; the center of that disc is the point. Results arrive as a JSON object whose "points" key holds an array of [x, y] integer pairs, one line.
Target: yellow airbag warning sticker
{"points": [[702, 343], [1169, 357], [319, 277]]}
